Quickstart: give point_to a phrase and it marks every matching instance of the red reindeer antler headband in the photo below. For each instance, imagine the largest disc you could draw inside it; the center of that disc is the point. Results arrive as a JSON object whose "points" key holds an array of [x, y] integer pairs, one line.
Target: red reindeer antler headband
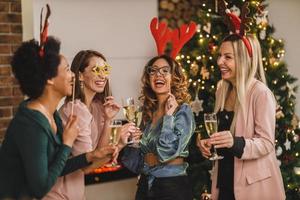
{"points": [[237, 25], [178, 37], [44, 30]]}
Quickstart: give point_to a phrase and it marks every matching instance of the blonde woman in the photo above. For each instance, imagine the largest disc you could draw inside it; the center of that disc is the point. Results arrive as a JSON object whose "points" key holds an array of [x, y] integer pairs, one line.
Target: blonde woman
{"points": [[246, 111]]}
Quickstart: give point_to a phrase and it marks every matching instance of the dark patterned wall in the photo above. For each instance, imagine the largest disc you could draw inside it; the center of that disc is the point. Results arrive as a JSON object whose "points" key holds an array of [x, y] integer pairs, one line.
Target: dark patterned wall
{"points": [[176, 12]]}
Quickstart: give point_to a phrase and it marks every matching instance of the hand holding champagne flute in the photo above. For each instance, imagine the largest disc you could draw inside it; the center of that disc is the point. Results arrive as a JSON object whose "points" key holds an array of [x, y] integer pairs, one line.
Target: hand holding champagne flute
{"points": [[211, 125], [133, 113]]}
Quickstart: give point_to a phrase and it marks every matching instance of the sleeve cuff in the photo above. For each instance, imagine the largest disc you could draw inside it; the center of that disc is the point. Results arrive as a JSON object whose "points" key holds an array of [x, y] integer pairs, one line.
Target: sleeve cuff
{"points": [[238, 146]]}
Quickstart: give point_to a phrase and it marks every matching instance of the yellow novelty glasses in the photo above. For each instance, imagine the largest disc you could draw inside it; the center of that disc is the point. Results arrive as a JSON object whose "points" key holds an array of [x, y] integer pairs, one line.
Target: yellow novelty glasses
{"points": [[102, 70]]}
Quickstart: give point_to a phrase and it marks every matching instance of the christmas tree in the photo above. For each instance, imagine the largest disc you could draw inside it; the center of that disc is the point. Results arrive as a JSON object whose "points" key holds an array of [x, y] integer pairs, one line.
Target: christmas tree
{"points": [[199, 58]]}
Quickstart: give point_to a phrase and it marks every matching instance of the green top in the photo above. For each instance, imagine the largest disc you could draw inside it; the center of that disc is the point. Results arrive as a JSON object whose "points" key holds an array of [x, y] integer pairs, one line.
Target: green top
{"points": [[31, 156]]}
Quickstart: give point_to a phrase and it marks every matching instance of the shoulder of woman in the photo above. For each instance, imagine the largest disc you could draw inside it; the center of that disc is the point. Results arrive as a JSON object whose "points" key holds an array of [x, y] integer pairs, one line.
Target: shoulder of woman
{"points": [[79, 108], [261, 90]]}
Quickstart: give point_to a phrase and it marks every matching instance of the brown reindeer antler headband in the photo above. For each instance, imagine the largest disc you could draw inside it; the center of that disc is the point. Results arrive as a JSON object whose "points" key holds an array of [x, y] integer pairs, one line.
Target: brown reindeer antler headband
{"points": [[44, 30], [178, 37], [237, 25]]}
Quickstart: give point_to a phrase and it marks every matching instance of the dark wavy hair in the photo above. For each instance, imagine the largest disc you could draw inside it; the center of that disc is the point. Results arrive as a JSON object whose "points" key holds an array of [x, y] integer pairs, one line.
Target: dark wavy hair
{"points": [[79, 63], [31, 70], [179, 86]]}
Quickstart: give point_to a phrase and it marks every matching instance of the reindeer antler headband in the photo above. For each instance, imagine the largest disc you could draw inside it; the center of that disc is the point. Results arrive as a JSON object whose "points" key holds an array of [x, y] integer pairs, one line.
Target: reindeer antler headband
{"points": [[178, 37], [44, 30], [237, 25]]}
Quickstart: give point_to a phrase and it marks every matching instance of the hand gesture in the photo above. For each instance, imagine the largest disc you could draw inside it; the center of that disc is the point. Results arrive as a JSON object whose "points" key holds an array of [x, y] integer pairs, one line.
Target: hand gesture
{"points": [[222, 139], [124, 133], [204, 146], [71, 131], [101, 156], [136, 135], [111, 108], [171, 105]]}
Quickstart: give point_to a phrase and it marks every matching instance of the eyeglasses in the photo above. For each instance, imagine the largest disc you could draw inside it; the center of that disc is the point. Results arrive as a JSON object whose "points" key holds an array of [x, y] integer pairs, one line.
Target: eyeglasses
{"points": [[165, 70], [102, 70]]}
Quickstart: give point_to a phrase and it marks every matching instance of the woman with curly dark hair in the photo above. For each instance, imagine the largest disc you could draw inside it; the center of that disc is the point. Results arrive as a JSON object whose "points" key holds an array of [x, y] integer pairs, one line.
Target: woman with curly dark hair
{"points": [[36, 148], [169, 125]]}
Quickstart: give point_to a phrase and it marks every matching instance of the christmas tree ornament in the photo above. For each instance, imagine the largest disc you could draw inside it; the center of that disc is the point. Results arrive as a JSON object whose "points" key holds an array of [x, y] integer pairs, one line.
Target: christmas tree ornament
{"points": [[279, 151], [272, 60], [297, 170], [287, 144], [205, 196], [295, 121], [204, 73], [207, 27], [263, 34], [235, 10], [296, 138], [279, 113], [196, 105], [290, 90], [212, 48], [262, 18], [194, 69]]}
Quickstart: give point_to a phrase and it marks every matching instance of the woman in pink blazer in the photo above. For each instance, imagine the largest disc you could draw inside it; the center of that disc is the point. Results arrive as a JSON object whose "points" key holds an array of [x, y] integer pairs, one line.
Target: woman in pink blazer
{"points": [[95, 108], [246, 113]]}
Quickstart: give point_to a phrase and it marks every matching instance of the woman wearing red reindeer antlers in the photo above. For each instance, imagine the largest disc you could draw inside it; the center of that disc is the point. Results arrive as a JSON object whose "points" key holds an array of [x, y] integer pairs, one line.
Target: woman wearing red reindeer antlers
{"points": [[95, 109], [246, 113], [36, 148], [168, 120]]}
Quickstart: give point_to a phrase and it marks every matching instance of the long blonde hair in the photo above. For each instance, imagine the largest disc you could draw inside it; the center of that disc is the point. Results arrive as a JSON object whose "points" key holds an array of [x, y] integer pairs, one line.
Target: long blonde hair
{"points": [[247, 69]]}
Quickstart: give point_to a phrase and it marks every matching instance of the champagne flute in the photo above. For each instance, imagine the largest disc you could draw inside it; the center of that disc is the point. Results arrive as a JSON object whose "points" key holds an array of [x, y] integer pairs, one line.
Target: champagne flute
{"points": [[133, 113], [211, 125], [114, 136]]}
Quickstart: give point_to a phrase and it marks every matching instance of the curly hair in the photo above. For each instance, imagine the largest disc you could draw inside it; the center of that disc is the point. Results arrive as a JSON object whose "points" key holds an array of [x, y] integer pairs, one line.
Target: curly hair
{"points": [[31, 70], [79, 63], [179, 86]]}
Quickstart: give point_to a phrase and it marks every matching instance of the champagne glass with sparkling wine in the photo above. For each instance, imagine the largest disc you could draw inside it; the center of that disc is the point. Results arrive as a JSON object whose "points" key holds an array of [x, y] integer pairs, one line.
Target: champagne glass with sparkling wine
{"points": [[114, 136], [211, 125], [133, 113]]}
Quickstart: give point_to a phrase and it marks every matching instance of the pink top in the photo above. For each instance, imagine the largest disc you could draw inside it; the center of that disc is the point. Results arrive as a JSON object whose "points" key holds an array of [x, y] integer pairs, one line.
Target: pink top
{"points": [[71, 186]]}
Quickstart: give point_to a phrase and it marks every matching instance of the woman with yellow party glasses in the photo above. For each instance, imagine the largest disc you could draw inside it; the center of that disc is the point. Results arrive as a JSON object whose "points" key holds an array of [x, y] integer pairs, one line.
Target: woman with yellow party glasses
{"points": [[95, 108]]}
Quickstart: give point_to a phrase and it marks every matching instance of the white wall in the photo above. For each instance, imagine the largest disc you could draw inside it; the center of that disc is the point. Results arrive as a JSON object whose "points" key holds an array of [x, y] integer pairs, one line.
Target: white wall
{"points": [[116, 28], [285, 17], [119, 29]]}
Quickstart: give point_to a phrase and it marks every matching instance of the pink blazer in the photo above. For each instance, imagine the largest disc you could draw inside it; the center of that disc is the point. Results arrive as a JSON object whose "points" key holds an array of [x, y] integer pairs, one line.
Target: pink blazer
{"points": [[256, 173], [90, 126]]}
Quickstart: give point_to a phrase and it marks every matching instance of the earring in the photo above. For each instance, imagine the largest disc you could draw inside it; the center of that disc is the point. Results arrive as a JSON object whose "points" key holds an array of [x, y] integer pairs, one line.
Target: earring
{"points": [[81, 85]]}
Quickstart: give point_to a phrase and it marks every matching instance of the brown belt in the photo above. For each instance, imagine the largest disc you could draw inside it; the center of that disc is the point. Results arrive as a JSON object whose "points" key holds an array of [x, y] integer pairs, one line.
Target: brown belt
{"points": [[151, 159]]}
